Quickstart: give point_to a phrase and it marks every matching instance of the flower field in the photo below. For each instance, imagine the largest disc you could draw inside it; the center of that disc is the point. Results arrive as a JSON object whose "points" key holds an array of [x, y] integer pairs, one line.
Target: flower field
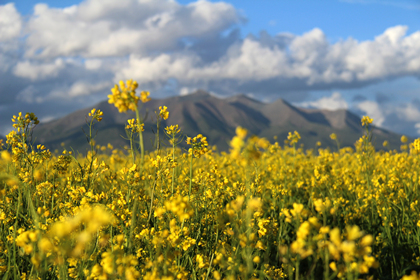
{"points": [[261, 211]]}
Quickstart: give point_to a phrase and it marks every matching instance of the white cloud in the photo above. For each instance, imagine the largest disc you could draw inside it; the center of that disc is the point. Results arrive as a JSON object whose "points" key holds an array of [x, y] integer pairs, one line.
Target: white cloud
{"points": [[83, 88], [310, 59], [47, 118], [185, 91], [38, 71], [93, 64], [333, 102], [28, 94], [10, 23], [110, 28], [373, 110], [145, 38], [72, 53], [408, 112]]}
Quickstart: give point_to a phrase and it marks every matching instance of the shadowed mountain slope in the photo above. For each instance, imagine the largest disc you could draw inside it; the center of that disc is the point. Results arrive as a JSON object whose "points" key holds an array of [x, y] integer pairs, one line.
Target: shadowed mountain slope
{"points": [[215, 118]]}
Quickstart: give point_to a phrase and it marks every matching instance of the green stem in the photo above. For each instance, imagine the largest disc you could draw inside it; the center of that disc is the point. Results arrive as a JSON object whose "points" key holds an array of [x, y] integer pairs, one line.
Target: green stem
{"points": [[191, 173], [173, 169], [157, 135], [139, 121], [151, 202], [131, 147], [133, 224], [327, 267], [212, 256], [90, 137]]}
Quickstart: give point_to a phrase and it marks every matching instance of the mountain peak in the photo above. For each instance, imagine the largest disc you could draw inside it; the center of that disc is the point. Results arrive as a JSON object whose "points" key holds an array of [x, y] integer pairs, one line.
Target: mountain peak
{"points": [[197, 95], [200, 92], [217, 118]]}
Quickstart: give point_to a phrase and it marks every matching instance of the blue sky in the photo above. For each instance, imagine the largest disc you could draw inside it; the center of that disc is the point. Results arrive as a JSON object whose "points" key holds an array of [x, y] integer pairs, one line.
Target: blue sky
{"points": [[362, 55]]}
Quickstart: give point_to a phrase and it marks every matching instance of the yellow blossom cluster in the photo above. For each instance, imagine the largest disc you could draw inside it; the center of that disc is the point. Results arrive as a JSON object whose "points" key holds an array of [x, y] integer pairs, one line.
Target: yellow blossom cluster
{"points": [[163, 112], [198, 145], [124, 96], [366, 120], [261, 211], [293, 137], [133, 126]]}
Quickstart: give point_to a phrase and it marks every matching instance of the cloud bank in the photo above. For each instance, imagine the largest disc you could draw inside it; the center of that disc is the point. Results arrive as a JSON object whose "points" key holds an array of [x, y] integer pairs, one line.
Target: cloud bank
{"points": [[62, 59]]}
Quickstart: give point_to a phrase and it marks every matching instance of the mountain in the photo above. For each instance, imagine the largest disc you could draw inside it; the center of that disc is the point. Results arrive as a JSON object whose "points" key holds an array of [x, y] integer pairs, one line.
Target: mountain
{"points": [[215, 118]]}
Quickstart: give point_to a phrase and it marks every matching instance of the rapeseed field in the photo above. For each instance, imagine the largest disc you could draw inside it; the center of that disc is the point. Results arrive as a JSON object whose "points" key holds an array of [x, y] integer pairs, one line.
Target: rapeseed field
{"points": [[261, 211]]}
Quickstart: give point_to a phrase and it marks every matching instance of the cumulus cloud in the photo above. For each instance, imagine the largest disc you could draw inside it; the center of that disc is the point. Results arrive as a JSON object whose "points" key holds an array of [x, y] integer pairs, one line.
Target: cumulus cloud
{"points": [[309, 59], [402, 117], [93, 64], [333, 102], [97, 28], [408, 112], [154, 41], [77, 53], [84, 88], [38, 71], [10, 23], [373, 110]]}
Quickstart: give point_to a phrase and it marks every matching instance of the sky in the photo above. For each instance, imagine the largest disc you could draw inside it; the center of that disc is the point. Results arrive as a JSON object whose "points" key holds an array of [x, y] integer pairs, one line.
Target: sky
{"points": [[362, 55]]}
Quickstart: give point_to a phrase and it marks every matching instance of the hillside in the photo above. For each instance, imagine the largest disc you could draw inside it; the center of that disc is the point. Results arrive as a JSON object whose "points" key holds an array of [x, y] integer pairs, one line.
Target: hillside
{"points": [[215, 118]]}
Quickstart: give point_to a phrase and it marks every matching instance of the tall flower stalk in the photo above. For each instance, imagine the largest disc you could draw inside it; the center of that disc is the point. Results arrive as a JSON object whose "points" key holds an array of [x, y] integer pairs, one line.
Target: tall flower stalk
{"points": [[163, 114], [132, 128], [124, 98], [171, 132], [198, 148]]}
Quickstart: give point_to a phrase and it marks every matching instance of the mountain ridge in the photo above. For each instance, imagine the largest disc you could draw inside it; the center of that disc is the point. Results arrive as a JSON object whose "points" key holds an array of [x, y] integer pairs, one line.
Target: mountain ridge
{"points": [[216, 118]]}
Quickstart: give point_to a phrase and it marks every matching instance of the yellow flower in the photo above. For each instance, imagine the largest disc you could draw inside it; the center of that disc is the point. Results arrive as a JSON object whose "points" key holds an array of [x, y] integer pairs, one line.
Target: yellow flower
{"points": [[45, 245], [241, 132], [366, 121], [144, 96], [293, 138], [124, 97], [5, 155], [353, 232], [404, 139], [96, 114], [297, 209], [366, 240], [303, 230], [255, 204], [164, 112], [335, 237], [413, 276], [333, 136], [333, 266], [198, 145], [134, 126]]}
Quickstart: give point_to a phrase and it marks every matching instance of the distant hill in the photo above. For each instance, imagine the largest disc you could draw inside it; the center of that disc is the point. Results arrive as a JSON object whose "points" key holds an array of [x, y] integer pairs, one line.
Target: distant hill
{"points": [[215, 118]]}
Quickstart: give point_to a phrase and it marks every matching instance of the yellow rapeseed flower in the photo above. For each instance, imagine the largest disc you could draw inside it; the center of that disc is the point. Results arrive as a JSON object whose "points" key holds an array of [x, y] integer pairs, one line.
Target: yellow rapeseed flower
{"points": [[164, 114], [124, 97], [366, 120], [412, 276], [241, 132], [144, 96], [353, 232], [293, 138]]}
